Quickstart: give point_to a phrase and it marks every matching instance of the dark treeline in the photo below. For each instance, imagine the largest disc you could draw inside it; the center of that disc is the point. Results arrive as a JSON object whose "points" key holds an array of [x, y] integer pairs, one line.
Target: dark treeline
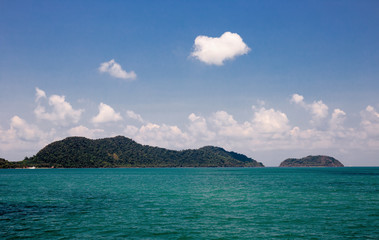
{"points": [[80, 152]]}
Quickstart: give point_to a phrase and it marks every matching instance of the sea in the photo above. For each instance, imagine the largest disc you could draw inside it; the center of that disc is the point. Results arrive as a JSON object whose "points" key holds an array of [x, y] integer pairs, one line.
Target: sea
{"points": [[190, 203]]}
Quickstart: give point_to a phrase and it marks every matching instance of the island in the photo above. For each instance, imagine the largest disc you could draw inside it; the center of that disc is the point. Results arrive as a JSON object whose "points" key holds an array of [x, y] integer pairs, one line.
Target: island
{"points": [[311, 161], [122, 152]]}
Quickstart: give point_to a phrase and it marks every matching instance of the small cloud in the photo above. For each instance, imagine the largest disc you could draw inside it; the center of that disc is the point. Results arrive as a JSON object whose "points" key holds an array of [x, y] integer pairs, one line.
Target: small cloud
{"points": [[62, 111], [298, 99], [260, 104], [216, 50], [318, 109], [374, 114], [134, 116], [106, 114], [115, 70], [40, 94]]}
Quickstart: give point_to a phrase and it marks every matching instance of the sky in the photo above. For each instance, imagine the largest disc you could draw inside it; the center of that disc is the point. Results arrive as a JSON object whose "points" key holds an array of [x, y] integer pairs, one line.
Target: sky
{"points": [[268, 79]]}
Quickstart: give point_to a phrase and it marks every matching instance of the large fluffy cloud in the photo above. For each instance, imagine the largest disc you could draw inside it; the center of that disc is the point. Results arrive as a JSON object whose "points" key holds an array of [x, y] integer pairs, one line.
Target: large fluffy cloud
{"points": [[115, 70], [215, 51], [62, 113], [106, 114]]}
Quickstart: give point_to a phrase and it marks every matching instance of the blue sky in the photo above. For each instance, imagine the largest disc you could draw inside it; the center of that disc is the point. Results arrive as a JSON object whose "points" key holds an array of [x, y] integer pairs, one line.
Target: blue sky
{"points": [[288, 79]]}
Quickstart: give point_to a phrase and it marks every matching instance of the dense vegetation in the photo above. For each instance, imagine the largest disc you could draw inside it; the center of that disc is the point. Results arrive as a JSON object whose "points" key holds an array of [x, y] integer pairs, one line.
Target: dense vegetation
{"points": [[80, 152], [7, 164], [312, 161]]}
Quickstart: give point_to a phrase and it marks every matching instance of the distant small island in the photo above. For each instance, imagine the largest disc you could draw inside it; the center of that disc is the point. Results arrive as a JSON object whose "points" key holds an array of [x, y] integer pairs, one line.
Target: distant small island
{"points": [[311, 161], [122, 152]]}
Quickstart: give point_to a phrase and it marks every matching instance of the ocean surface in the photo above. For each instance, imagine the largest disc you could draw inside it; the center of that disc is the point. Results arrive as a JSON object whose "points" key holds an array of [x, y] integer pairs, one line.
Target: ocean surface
{"points": [[190, 203]]}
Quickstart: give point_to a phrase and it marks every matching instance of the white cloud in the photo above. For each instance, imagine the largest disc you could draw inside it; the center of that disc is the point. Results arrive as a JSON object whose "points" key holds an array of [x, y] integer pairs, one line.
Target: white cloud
{"points": [[131, 131], [370, 121], [270, 120], [62, 111], [337, 120], [268, 130], [40, 94], [84, 131], [370, 125], [373, 114], [158, 135], [222, 119], [198, 129], [265, 131], [106, 114], [318, 109], [225, 125], [215, 51], [134, 116], [21, 129], [115, 70], [298, 99], [22, 139]]}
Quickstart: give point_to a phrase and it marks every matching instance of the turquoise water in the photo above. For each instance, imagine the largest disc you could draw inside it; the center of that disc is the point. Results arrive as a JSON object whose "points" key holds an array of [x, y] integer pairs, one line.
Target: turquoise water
{"points": [[193, 203]]}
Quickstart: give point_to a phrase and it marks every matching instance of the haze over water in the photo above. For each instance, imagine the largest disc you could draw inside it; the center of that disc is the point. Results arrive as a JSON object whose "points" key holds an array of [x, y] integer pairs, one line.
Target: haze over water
{"points": [[190, 203]]}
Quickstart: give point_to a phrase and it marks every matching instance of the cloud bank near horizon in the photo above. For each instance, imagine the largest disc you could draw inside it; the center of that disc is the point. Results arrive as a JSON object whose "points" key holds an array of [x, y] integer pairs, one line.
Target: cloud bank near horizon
{"points": [[268, 129]]}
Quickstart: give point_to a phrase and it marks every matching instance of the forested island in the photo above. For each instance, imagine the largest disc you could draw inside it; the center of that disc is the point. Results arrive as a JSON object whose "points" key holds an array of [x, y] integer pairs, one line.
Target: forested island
{"points": [[119, 152], [312, 161], [122, 152]]}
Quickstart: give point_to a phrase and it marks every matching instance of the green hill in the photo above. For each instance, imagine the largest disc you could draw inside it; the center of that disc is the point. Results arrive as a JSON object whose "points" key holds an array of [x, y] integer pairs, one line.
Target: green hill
{"points": [[80, 152], [312, 161]]}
